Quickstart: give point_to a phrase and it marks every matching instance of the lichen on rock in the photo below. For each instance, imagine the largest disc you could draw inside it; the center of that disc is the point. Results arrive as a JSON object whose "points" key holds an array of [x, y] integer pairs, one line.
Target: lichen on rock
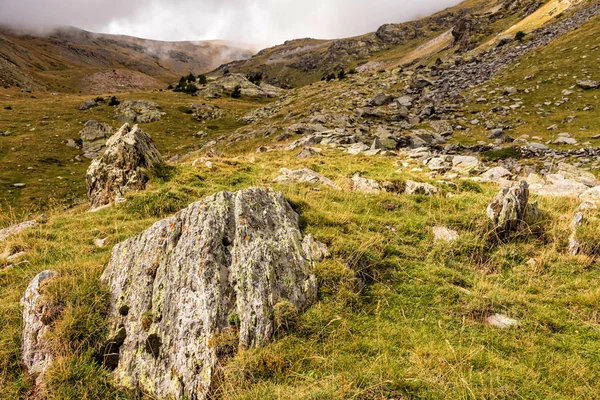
{"points": [[37, 316], [178, 285]]}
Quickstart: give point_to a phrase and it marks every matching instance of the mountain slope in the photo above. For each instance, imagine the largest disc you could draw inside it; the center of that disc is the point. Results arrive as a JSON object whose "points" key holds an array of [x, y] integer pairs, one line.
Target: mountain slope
{"points": [[67, 59], [300, 62]]}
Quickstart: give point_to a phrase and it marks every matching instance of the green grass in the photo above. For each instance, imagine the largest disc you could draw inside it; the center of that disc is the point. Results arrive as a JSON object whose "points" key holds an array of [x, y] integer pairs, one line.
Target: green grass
{"points": [[398, 315]]}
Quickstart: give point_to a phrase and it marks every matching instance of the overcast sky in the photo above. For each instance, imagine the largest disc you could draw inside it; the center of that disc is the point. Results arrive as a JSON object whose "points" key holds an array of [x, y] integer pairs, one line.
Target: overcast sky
{"points": [[262, 22]]}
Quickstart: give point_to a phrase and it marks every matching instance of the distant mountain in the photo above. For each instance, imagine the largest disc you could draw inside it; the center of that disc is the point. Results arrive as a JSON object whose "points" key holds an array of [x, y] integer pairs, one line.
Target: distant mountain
{"points": [[299, 62], [72, 60]]}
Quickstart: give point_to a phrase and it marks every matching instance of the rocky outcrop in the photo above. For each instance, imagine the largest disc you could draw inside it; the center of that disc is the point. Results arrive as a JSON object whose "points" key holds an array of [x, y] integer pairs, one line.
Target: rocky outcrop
{"points": [[207, 112], [123, 167], [223, 265], [14, 229], [93, 138], [38, 314], [510, 209], [365, 185], [140, 111]]}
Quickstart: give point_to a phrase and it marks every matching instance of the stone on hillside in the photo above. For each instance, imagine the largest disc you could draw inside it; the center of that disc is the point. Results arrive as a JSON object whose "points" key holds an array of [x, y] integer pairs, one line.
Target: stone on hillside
{"points": [[500, 321], [38, 314], [308, 152], [420, 188], [124, 166], [207, 112], [590, 195], [380, 99], [588, 84], [140, 111], [442, 127], [424, 138], [504, 40], [365, 185], [303, 129], [498, 175], [559, 186], [508, 210], [441, 233], [565, 140], [86, 105], [14, 229], [357, 148], [304, 175], [221, 267], [537, 147], [569, 171], [441, 163], [93, 138], [464, 163]]}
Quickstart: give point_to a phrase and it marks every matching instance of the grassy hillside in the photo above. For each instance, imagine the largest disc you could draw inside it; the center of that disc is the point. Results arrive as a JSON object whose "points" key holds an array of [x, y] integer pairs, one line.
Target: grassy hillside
{"points": [[399, 315], [72, 60]]}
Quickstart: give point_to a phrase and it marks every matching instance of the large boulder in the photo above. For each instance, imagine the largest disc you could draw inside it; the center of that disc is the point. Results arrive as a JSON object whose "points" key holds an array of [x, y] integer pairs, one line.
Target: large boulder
{"points": [[225, 265], [123, 167], [38, 314], [510, 208], [93, 138]]}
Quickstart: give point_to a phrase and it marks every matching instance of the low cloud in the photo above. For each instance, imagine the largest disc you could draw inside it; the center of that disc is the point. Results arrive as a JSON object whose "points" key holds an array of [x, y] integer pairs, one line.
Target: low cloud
{"points": [[264, 22]]}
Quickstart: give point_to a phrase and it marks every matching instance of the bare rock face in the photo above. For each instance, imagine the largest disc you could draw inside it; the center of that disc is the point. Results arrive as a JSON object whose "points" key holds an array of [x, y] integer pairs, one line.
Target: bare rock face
{"points": [[123, 166], [509, 210], [207, 112], [93, 138], [224, 263], [37, 315]]}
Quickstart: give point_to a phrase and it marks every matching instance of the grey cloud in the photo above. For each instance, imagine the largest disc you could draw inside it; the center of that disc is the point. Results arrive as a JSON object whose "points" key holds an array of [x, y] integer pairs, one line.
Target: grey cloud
{"points": [[264, 22]]}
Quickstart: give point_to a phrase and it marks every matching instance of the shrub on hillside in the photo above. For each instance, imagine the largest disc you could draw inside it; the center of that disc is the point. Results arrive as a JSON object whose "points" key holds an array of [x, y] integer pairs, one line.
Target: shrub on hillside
{"points": [[237, 92]]}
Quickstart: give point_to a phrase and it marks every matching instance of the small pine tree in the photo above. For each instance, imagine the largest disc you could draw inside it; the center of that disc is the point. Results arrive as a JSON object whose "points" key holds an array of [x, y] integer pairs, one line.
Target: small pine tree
{"points": [[330, 77], [114, 102], [341, 75], [237, 92], [520, 36], [202, 79], [190, 88], [190, 78]]}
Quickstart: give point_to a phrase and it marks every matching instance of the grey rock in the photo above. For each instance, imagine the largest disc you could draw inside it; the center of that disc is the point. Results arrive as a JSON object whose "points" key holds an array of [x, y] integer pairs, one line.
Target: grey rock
{"points": [[508, 210], [14, 229], [86, 105], [304, 175], [365, 185], [140, 111], [499, 175], [588, 84], [309, 152], [124, 166], [93, 138], [38, 313], [207, 112], [380, 99], [464, 163], [223, 265], [425, 189]]}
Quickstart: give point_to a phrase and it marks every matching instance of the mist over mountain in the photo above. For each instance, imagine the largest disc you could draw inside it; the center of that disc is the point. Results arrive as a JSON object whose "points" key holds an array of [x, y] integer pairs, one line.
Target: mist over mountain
{"points": [[260, 22]]}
